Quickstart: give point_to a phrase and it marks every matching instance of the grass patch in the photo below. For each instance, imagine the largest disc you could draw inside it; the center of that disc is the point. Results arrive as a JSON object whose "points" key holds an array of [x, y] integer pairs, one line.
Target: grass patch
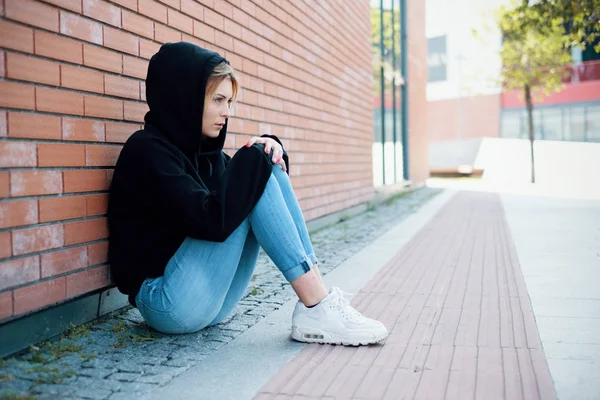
{"points": [[397, 196], [49, 375], [76, 332], [88, 357], [6, 377], [255, 291], [14, 396], [126, 335], [119, 327]]}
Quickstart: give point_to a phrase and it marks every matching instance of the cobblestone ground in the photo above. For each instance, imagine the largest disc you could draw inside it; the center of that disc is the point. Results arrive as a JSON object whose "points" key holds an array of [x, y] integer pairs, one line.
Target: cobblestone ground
{"points": [[120, 357]]}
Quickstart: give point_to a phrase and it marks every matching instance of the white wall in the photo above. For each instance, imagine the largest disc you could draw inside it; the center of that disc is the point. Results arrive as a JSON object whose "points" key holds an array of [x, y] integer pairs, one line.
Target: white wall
{"points": [[479, 69]]}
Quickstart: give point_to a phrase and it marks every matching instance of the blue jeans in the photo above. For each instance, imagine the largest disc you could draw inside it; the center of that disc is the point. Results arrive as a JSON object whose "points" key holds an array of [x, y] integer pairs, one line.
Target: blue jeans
{"points": [[204, 281]]}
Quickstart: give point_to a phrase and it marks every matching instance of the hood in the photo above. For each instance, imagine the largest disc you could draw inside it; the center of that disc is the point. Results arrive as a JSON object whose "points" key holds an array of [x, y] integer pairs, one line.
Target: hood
{"points": [[175, 89]]}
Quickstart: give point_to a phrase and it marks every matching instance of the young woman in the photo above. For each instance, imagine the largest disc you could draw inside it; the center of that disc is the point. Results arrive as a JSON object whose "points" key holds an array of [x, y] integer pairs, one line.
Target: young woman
{"points": [[186, 220]]}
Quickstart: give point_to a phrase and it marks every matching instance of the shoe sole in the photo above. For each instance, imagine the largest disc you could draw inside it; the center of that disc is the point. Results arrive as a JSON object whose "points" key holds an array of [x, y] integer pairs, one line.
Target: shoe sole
{"points": [[324, 338]]}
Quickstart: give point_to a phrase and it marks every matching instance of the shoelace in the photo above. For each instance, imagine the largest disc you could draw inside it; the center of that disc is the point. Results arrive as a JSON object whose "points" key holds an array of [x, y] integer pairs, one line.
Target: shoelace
{"points": [[344, 304]]}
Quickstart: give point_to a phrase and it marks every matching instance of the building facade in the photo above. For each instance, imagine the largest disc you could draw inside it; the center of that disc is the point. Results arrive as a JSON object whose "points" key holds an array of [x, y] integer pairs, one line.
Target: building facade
{"points": [[466, 101], [72, 91]]}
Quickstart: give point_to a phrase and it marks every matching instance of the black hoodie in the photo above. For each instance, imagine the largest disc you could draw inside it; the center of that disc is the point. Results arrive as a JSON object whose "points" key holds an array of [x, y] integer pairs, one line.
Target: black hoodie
{"points": [[170, 182]]}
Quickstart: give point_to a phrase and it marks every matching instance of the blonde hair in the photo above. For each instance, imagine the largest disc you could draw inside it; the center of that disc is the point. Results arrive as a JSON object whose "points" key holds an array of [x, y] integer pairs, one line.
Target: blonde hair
{"points": [[221, 72]]}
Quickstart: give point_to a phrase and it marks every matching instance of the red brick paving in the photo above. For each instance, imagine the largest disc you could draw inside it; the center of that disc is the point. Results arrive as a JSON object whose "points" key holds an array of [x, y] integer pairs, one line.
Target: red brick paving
{"points": [[460, 321]]}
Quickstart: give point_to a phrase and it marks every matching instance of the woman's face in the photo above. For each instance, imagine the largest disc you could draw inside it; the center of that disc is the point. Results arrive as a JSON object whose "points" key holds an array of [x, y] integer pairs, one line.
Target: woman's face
{"points": [[217, 109]]}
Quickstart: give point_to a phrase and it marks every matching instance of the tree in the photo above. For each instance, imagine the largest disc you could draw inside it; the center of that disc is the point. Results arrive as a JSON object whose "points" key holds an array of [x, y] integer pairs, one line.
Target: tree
{"points": [[536, 46]]}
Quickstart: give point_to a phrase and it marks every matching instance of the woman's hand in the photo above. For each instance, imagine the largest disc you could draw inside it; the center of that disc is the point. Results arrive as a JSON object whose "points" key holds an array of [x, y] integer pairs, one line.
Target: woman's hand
{"points": [[271, 146]]}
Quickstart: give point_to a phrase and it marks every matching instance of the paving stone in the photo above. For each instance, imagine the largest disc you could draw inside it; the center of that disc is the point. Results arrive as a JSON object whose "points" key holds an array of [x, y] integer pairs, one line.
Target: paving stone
{"points": [[85, 393], [125, 376], [53, 389], [137, 387]]}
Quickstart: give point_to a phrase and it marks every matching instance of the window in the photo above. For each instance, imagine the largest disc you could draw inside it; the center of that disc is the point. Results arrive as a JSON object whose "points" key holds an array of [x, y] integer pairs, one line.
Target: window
{"points": [[592, 123]]}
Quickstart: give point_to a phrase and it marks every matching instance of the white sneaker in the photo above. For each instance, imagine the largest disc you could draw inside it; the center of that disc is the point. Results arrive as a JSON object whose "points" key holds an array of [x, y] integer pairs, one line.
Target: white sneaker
{"points": [[335, 321]]}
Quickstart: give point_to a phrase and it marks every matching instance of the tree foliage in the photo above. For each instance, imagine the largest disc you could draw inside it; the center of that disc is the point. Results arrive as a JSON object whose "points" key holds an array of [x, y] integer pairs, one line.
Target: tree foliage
{"points": [[387, 59], [536, 48]]}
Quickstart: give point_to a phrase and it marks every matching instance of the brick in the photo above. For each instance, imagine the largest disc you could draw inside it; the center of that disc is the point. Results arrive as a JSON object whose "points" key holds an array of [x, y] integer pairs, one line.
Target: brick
{"points": [[241, 17], [135, 67], [97, 253], [5, 245], [233, 29], [101, 155], [223, 40], [131, 4], [62, 208], [204, 32], [4, 184], [247, 51], [84, 181], [61, 155], [18, 213], [17, 95], [62, 261], [143, 91], [122, 41], [81, 28], [87, 281], [103, 59], [82, 129], [17, 154], [73, 5], [121, 87], [222, 7], [41, 238], [33, 126], [213, 19], [173, 3], [164, 34], [137, 24], [180, 21], [193, 9], [102, 11], [119, 132], [33, 183], [97, 204], [2, 64], [18, 272], [190, 39], [152, 9], [109, 175], [15, 36], [86, 231], [32, 69], [3, 124], [59, 48], [6, 305], [103, 107], [148, 48], [58, 101], [135, 111], [39, 295], [32, 13], [81, 79]]}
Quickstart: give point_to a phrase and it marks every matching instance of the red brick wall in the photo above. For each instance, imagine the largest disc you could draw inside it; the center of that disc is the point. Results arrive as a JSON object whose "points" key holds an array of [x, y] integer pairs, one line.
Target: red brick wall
{"points": [[481, 118], [72, 90]]}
